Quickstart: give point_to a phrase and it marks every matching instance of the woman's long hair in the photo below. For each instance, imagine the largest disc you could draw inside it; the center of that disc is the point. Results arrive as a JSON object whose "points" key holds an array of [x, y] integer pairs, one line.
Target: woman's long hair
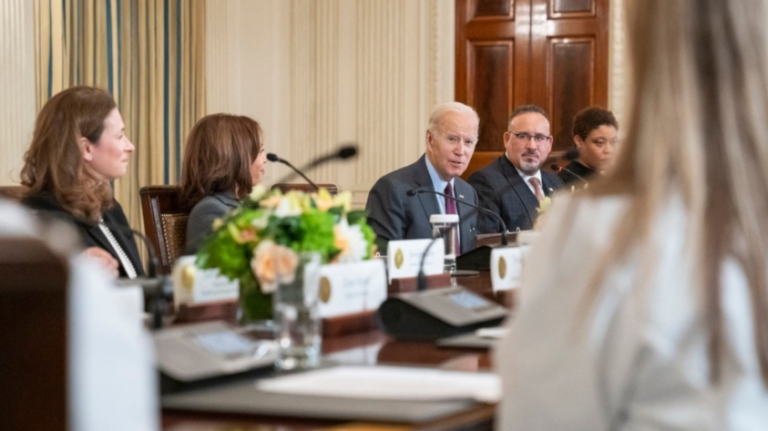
{"points": [[700, 126], [54, 161], [218, 156]]}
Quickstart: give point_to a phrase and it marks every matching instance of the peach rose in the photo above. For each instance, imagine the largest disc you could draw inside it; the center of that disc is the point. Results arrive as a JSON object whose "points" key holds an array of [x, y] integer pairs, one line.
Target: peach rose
{"points": [[273, 264]]}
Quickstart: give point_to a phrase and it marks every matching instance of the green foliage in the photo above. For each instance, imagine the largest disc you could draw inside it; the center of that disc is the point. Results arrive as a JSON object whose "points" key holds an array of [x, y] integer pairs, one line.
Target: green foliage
{"points": [[304, 227]]}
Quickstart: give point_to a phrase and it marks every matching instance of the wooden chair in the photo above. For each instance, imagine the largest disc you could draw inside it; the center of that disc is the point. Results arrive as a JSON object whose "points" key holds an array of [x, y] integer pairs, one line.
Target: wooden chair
{"points": [[304, 187], [33, 327], [14, 193], [165, 223]]}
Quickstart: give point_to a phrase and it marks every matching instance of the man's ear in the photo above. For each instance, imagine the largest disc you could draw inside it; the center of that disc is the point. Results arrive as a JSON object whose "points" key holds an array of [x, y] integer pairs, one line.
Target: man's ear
{"points": [[578, 141], [86, 149], [429, 138]]}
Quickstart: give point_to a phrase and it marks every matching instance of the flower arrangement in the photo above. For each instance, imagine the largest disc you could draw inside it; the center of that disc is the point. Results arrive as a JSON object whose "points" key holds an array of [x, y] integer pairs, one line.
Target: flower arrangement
{"points": [[259, 243]]}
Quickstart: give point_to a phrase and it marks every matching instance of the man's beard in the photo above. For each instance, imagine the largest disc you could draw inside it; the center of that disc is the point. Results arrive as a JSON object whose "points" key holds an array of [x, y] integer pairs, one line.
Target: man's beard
{"points": [[529, 168]]}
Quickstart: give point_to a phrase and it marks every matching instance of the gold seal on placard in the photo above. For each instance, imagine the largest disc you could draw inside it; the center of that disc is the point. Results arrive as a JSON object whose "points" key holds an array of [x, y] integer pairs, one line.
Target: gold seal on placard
{"points": [[502, 267], [188, 277], [399, 258], [325, 290]]}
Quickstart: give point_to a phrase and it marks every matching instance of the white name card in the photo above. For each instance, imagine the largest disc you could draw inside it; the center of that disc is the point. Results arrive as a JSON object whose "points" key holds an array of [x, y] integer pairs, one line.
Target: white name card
{"points": [[506, 267], [404, 258], [194, 285], [348, 288]]}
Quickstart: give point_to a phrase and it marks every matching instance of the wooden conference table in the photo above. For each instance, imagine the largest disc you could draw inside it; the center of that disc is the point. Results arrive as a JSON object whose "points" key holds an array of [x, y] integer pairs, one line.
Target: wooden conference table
{"points": [[367, 348]]}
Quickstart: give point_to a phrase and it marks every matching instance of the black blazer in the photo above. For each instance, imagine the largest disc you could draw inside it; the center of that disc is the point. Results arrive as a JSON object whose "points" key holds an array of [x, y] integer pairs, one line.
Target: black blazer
{"points": [[46, 204], [502, 190], [572, 172], [393, 215]]}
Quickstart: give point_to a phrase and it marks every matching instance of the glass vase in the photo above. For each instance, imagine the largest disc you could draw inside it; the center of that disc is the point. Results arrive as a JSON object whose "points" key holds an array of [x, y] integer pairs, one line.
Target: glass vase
{"points": [[255, 306], [297, 318]]}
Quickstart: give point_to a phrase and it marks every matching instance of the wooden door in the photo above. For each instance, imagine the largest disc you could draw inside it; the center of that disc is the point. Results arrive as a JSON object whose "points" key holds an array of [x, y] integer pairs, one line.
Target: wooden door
{"points": [[553, 53]]}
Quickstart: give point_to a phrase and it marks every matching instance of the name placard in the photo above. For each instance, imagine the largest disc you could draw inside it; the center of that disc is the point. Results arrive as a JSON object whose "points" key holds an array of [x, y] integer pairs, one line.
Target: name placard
{"points": [[192, 285], [404, 257], [348, 288], [506, 267]]}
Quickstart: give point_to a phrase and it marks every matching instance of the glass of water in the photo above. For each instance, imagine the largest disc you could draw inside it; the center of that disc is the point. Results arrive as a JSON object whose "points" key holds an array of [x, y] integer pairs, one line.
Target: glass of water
{"points": [[446, 226], [297, 317]]}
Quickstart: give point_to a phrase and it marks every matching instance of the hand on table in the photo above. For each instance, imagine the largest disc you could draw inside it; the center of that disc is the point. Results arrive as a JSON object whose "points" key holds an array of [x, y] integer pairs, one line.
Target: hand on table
{"points": [[104, 259]]}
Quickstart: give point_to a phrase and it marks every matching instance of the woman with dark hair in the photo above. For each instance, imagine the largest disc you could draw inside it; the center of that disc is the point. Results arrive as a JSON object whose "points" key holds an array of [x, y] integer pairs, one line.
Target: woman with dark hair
{"points": [[78, 147], [595, 134], [655, 315], [224, 159]]}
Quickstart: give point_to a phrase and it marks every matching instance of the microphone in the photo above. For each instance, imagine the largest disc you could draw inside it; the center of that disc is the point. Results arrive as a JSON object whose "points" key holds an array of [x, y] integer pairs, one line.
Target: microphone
{"points": [[504, 241], [569, 156], [421, 278], [272, 157], [344, 152], [557, 168], [156, 287]]}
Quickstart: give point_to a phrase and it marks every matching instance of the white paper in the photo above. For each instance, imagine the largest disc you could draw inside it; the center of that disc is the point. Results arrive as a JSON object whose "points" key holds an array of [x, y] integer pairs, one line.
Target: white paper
{"points": [[347, 288], [404, 258], [388, 383], [495, 333], [506, 267], [207, 285]]}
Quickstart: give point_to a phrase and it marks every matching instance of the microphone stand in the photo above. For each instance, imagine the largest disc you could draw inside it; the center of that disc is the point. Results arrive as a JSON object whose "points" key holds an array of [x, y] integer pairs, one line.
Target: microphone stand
{"points": [[156, 287], [421, 278], [504, 240], [343, 153], [272, 157], [555, 167]]}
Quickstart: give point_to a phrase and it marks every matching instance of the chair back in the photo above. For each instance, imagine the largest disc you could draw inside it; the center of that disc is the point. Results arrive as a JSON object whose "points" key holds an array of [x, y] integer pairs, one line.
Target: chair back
{"points": [[165, 223], [304, 187], [14, 193], [33, 327]]}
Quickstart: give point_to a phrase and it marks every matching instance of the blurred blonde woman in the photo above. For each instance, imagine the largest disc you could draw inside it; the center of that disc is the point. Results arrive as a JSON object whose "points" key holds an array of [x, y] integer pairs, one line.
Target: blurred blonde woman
{"points": [[655, 314]]}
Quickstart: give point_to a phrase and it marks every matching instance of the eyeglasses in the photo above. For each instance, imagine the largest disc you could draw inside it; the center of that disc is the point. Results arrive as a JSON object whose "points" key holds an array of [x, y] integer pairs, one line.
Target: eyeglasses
{"points": [[539, 138]]}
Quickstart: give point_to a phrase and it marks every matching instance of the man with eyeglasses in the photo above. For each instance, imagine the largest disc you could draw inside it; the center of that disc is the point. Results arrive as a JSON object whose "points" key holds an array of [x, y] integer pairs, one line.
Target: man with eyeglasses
{"points": [[514, 185]]}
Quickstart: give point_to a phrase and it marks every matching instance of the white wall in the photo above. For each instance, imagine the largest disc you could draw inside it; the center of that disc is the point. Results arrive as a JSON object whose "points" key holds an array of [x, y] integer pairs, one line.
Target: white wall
{"points": [[617, 62], [316, 73], [17, 98]]}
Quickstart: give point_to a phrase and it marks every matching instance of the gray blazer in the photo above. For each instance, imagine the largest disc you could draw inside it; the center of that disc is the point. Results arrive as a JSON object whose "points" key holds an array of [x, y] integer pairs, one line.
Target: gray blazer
{"points": [[503, 191], [200, 222], [393, 215]]}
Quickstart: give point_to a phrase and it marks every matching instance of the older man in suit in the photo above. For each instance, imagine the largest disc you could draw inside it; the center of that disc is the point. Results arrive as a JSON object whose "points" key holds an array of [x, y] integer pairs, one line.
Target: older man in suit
{"points": [[451, 139], [514, 184]]}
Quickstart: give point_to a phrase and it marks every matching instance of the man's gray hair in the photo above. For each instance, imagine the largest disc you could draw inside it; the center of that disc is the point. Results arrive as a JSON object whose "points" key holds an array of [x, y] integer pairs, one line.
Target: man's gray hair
{"points": [[440, 110]]}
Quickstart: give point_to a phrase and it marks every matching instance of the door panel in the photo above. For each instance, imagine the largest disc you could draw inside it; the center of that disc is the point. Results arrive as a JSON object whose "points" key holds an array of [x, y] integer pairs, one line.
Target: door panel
{"points": [[571, 63], [553, 53], [492, 80]]}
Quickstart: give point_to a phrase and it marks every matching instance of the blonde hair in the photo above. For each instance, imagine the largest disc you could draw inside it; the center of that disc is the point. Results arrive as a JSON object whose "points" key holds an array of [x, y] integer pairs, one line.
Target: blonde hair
{"points": [[700, 97]]}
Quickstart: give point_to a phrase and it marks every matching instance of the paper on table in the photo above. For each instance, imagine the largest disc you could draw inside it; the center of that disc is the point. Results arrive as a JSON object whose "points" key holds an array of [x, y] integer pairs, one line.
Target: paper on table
{"points": [[497, 332], [388, 383]]}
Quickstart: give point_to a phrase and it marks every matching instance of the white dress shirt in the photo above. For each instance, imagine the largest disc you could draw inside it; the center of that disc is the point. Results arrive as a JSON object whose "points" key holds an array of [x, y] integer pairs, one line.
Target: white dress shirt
{"points": [[638, 359]]}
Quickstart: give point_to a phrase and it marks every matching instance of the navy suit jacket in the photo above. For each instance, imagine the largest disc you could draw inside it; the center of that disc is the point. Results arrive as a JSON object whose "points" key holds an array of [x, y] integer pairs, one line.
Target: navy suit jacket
{"points": [[502, 190], [394, 215]]}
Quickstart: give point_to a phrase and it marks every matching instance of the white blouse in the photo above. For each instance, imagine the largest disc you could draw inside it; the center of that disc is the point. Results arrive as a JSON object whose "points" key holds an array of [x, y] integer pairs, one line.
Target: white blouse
{"points": [[637, 359]]}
